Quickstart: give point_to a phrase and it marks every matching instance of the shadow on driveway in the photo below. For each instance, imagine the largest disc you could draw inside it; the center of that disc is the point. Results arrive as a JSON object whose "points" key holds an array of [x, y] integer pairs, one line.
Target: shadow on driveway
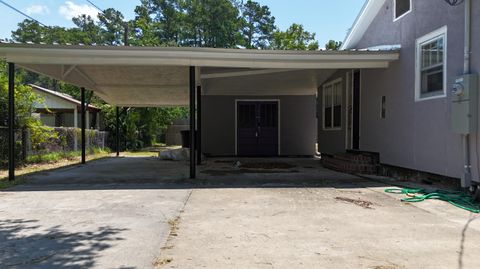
{"points": [[26, 244]]}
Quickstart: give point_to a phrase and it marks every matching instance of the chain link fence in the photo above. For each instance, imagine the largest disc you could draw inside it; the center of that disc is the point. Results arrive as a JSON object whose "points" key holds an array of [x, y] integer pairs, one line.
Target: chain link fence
{"points": [[20, 154], [67, 140]]}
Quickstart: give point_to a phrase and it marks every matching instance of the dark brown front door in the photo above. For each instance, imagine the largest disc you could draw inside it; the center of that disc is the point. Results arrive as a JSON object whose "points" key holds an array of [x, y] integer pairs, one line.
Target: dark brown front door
{"points": [[257, 128]]}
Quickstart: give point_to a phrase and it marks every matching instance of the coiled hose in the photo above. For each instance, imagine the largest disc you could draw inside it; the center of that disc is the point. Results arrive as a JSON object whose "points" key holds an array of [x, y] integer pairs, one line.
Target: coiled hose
{"points": [[458, 199]]}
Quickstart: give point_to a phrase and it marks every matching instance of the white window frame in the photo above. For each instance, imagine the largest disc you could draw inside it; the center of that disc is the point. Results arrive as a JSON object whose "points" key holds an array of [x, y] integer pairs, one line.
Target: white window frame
{"points": [[331, 84], [439, 33], [395, 11]]}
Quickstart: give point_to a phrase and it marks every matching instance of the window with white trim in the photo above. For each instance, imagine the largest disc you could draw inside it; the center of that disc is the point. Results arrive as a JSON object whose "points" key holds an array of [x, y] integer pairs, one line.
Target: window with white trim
{"points": [[401, 8], [431, 65], [332, 105]]}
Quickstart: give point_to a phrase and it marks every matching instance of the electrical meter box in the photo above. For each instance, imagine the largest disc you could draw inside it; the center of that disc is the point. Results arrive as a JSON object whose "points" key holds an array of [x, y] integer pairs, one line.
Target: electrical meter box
{"points": [[465, 104]]}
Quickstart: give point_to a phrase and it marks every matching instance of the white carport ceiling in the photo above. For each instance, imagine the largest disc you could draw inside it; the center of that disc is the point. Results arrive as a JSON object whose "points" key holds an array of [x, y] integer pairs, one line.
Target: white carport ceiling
{"points": [[145, 76]]}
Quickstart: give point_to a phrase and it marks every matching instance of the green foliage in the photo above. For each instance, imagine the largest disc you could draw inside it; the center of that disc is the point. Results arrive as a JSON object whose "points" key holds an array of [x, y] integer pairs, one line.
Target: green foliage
{"points": [[53, 157], [257, 25], [140, 126], [25, 100], [333, 45], [40, 135], [294, 38]]}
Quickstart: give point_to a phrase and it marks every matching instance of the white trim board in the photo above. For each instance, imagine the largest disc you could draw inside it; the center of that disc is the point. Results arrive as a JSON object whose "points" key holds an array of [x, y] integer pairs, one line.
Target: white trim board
{"points": [[258, 100]]}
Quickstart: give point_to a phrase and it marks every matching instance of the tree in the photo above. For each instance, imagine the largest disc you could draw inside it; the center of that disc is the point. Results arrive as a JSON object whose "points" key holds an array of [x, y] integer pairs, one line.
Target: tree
{"points": [[29, 31], [158, 22], [87, 32], [333, 45], [294, 38], [257, 25], [211, 23], [113, 27]]}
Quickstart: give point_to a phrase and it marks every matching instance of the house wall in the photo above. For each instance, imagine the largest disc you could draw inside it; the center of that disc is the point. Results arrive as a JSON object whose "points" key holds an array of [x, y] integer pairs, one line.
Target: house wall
{"points": [[297, 124], [296, 92], [332, 141], [48, 119], [415, 135], [52, 102]]}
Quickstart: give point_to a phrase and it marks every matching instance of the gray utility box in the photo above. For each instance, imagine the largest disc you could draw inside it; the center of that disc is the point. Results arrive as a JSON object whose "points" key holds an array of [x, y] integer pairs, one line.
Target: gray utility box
{"points": [[465, 104]]}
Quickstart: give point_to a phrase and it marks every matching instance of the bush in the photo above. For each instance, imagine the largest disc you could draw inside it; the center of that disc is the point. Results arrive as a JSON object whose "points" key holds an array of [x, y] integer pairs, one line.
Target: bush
{"points": [[44, 158]]}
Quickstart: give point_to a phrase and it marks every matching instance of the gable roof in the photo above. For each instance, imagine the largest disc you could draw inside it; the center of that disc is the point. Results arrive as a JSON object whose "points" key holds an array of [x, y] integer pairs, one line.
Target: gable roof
{"points": [[63, 96], [369, 10]]}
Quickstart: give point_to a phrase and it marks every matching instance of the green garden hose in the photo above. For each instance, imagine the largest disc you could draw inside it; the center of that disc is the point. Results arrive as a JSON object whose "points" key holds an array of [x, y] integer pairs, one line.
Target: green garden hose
{"points": [[458, 199]]}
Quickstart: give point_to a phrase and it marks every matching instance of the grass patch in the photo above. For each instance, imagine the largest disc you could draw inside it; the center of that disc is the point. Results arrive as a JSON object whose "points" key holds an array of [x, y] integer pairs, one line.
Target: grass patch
{"points": [[139, 154], [46, 162], [53, 157]]}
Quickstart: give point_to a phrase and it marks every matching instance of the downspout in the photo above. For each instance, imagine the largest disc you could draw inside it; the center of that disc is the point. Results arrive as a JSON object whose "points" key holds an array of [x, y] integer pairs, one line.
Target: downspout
{"points": [[467, 175]]}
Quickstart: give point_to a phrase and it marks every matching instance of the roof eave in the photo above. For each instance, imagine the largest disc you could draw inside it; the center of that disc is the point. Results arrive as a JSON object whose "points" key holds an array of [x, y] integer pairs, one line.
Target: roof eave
{"points": [[362, 22]]}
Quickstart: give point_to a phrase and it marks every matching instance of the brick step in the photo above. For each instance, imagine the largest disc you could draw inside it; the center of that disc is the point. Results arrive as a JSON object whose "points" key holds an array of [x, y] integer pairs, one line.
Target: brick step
{"points": [[356, 158], [347, 166]]}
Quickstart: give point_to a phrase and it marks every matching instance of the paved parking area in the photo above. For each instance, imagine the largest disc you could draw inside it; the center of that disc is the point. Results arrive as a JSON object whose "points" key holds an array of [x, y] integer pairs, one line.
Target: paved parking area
{"points": [[320, 228], [140, 213]]}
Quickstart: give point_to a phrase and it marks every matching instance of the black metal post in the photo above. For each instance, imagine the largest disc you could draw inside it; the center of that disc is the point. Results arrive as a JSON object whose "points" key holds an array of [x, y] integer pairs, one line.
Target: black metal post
{"points": [[11, 121], [125, 34], [117, 131], [83, 123], [199, 125], [192, 123]]}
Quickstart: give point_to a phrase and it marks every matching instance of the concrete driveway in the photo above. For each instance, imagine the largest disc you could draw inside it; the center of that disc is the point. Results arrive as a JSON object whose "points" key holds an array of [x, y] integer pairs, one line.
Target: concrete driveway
{"points": [[139, 213], [80, 217]]}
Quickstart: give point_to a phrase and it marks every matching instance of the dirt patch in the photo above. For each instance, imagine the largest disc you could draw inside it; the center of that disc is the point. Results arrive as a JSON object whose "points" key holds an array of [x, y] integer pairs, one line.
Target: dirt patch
{"points": [[174, 226], [267, 165], [161, 262], [358, 202], [174, 223], [245, 171]]}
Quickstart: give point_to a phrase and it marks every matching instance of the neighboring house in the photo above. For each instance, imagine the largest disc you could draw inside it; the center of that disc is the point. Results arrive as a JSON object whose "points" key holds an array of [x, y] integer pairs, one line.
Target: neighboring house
{"points": [[173, 134], [62, 110], [405, 112]]}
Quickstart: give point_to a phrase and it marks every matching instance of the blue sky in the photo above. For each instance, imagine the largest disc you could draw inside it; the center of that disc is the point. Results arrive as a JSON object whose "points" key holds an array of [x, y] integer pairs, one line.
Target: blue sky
{"points": [[328, 19]]}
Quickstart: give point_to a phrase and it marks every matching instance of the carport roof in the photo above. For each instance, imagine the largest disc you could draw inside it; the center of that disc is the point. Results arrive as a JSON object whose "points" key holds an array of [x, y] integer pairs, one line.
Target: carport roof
{"points": [[158, 76]]}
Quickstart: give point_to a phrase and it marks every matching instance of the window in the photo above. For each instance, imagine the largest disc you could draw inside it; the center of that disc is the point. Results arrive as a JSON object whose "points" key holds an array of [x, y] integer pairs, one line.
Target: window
{"points": [[402, 7], [431, 65], [332, 105]]}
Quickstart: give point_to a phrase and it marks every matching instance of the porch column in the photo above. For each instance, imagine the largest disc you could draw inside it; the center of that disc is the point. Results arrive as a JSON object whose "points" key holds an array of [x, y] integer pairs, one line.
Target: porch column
{"points": [[199, 125], [75, 125], [11, 121], [192, 123], [117, 130], [83, 122], [87, 126]]}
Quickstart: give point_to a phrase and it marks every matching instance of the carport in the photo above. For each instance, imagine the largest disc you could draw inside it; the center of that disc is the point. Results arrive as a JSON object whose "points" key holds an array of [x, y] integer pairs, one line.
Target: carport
{"points": [[156, 77]]}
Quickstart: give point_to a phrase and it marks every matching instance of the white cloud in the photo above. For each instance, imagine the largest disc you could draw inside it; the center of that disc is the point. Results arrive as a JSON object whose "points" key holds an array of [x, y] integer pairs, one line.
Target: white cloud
{"points": [[70, 10], [37, 9]]}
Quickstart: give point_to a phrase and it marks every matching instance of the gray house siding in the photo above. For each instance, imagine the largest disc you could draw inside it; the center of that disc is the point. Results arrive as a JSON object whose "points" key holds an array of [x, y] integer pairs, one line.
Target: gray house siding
{"points": [[297, 124], [332, 141], [415, 135]]}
